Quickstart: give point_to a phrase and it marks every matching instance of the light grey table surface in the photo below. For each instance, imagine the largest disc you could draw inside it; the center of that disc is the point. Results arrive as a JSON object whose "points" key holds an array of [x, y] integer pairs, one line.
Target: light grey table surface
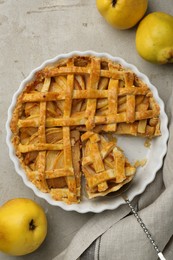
{"points": [[32, 31]]}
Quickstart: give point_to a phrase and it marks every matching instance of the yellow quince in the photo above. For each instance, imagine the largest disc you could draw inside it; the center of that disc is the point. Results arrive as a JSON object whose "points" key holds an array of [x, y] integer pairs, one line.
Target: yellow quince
{"points": [[154, 38], [122, 14]]}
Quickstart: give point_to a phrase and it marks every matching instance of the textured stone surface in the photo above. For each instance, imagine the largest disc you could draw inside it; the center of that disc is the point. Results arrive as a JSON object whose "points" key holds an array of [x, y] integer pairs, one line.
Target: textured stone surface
{"points": [[33, 31]]}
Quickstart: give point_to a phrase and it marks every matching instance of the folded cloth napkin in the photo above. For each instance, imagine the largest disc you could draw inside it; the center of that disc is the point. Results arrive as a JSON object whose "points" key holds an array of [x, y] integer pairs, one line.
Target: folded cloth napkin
{"points": [[116, 235]]}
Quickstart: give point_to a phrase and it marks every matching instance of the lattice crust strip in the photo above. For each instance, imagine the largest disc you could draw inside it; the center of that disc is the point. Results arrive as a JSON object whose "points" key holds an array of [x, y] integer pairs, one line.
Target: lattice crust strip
{"points": [[104, 165], [101, 95]]}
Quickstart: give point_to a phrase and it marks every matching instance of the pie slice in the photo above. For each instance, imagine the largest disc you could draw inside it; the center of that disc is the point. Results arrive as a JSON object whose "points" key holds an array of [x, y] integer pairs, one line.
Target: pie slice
{"points": [[104, 165]]}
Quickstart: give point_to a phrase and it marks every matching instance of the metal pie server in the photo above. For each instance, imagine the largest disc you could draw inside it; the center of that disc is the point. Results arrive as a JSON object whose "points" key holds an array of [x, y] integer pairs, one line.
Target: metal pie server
{"points": [[139, 220]]}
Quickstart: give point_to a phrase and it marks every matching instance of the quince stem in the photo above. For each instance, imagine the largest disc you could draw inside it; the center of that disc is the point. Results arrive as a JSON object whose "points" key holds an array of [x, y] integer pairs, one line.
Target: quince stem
{"points": [[114, 3], [32, 225]]}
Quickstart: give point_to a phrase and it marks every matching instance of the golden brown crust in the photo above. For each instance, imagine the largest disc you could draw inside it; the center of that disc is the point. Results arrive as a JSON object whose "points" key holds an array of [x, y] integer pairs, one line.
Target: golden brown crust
{"points": [[81, 93]]}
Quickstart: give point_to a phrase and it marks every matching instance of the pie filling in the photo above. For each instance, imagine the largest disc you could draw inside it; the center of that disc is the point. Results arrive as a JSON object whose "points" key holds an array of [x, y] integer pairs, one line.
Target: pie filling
{"points": [[59, 120]]}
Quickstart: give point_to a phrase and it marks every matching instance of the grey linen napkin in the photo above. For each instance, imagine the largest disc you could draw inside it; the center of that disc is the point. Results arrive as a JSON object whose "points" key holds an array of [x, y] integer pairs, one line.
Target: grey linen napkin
{"points": [[116, 235]]}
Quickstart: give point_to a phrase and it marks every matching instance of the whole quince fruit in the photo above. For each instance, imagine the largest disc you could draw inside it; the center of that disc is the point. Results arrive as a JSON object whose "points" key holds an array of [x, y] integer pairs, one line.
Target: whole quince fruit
{"points": [[23, 226], [122, 14], [154, 38]]}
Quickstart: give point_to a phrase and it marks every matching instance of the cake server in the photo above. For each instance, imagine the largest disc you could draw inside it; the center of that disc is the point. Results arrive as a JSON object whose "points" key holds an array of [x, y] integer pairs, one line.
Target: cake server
{"points": [[121, 193]]}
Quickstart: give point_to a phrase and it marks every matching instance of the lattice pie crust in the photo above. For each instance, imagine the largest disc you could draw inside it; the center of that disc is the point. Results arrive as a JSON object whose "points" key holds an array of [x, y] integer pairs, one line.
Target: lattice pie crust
{"points": [[60, 122]]}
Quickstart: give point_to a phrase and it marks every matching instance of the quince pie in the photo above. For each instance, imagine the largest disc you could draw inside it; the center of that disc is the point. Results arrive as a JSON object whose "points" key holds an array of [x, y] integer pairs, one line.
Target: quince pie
{"points": [[61, 118]]}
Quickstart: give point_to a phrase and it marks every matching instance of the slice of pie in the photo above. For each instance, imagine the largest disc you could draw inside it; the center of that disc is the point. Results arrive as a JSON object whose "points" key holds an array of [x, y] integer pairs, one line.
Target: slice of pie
{"points": [[73, 96], [104, 165]]}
